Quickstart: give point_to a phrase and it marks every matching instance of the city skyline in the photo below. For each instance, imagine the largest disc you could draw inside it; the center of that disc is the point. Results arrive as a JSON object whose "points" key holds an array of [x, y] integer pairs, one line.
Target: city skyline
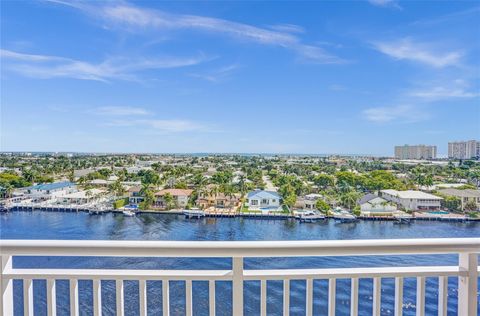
{"points": [[323, 78]]}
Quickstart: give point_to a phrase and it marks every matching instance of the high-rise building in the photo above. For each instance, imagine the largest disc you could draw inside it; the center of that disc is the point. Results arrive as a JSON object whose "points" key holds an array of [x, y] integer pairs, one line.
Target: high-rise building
{"points": [[464, 149], [415, 152]]}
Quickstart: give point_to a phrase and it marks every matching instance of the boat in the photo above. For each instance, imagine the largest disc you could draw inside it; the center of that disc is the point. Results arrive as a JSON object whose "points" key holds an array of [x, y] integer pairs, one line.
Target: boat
{"points": [[310, 216], [194, 213], [344, 217], [128, 213], [404, 218]]}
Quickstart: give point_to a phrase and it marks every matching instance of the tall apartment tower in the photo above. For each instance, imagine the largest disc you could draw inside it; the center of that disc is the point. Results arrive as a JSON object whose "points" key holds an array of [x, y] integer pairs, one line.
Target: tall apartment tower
{"points": [[464, 149], [415, 152]]}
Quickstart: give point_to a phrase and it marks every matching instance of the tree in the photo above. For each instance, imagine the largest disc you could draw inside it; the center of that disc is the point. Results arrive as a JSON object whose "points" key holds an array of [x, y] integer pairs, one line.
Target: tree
{"points": [[470, 206], [324, 181], [349, 199], [322, 205], [169, 201]]}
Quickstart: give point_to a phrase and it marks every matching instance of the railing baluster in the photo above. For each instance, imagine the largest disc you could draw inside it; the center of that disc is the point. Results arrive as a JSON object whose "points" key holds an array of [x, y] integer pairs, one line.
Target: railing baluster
{"points": [[74, 308], [332, 288], [263, 297], [28, 297], [188, 298], [211, 297], [442, 295], [467, 285], [119, 297], [97, 297], [6, 298], [237, 286], [286, 297], [309, 300], [354, 298], [420, 296], [142, 288], [166, 298], [51, 298], [377, 297], [398, 296]]}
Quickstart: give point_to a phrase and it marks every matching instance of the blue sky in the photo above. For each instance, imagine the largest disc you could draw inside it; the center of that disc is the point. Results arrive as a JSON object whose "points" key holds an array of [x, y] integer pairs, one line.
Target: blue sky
{"points": [[277, 77]]}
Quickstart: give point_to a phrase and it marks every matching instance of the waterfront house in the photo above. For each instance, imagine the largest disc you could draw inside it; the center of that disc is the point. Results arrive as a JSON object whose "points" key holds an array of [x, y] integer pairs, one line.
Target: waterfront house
{"points": [[413, 200], [371, 204], [465, 196], [134, 194], [82, 197], [51, 190], [218, 200], [260, 199], [180, 198], [308, 201]]}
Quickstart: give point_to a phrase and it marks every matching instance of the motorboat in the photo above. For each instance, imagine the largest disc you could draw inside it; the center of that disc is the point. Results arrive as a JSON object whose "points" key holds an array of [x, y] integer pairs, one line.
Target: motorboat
{"points": [[310, 216], [344, 216], [128, 213], [194, 213]]}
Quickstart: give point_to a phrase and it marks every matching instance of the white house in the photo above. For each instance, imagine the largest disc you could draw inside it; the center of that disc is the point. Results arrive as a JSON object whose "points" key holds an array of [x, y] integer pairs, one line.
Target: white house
{"points": [[413, 200], [82, 197], [51, 190], [372, 203], [260, 199]]}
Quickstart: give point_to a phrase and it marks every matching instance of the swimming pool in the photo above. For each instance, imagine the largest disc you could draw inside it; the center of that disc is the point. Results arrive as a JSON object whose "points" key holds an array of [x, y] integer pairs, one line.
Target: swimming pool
{"points": [[438, 212]]}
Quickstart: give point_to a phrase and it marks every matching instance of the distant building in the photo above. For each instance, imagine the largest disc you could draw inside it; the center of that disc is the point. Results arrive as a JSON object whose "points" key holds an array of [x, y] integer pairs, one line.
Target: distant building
{"points": [[412, 200], [415, 152], [260, 199], [464, 149]]}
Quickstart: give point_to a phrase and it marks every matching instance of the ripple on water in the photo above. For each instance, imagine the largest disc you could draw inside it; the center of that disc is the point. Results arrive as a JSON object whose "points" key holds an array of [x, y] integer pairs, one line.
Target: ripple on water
{"points": [[42, 225]]}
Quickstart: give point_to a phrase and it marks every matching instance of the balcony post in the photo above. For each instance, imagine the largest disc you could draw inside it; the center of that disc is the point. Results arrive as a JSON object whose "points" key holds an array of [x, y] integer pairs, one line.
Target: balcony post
{"points": [[6, 301], [237, 286], [467, 285]]}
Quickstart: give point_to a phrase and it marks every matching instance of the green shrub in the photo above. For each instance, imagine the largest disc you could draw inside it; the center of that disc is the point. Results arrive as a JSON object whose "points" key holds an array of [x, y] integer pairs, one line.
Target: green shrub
{"points": [[120, 203]]}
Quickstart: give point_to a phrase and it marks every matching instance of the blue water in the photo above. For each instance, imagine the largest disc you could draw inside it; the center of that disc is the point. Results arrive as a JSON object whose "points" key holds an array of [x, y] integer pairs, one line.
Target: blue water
{"points": [[43, 225]]}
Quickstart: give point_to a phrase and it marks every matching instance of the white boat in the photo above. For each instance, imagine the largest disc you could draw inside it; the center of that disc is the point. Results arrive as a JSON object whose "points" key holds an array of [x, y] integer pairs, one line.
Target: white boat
{"points": [[128, 213], [403, 218], [344, 216], [311, 216], [194, 213]]}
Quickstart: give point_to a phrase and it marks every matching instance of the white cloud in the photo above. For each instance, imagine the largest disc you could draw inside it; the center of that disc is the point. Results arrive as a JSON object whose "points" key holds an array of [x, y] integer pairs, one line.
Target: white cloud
{"points": [[132, 18], [439, 93], [425, 53], [446, 89], [120, 111], [161, 125], [217, 75], [400, 114], [385, 3], [45, 66]]}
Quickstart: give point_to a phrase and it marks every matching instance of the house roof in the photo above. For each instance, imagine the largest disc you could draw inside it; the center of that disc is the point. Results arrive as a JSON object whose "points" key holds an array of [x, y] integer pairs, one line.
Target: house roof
{"points": [[175, 192], [52, 186], [411, 194], [261, 194], [83, 194], [468, 193], [367, 198]]}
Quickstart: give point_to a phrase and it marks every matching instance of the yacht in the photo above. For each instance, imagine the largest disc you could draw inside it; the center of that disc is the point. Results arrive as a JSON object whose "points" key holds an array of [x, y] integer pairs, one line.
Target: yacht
{"points": [[311, 216], [344, 216], [194, 213]]}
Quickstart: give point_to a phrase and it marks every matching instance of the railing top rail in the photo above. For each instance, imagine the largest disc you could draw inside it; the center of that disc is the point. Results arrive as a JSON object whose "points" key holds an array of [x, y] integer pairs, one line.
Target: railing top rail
{"points": [[126, 248]]}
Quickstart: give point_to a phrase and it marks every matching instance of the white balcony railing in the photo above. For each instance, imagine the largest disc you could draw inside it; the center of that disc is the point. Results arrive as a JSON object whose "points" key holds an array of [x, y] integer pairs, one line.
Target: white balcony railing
{"points": [[467, 271]]}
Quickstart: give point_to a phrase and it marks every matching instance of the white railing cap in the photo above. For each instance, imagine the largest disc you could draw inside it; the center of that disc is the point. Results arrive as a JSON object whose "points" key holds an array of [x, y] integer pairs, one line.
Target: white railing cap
{"points": [[126, 248]]}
